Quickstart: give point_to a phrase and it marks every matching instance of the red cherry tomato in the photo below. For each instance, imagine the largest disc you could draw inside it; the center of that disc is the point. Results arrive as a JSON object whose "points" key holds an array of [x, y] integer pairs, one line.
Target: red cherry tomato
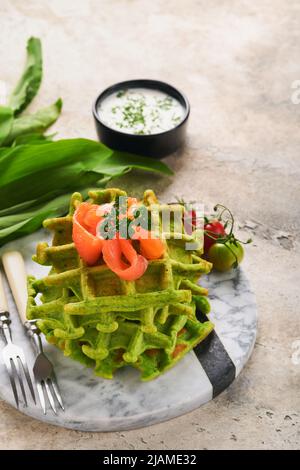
{"points": [[213, 230]]}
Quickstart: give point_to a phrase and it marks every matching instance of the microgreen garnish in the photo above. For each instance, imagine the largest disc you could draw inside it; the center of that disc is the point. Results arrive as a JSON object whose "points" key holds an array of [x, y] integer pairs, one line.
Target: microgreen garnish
{"points": [[121, 93], [140, 111], [117, 220]]}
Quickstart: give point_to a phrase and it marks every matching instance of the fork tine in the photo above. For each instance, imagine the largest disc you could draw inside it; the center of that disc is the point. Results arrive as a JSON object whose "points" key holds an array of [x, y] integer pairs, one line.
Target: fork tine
{"points": [[28, 378], [41, 396], [16, 364], [50, 397], [54, 385], [12, 380]]}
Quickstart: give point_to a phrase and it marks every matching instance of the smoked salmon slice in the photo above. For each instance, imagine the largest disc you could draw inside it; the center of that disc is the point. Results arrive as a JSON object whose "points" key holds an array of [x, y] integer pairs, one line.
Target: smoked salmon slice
{"points": [[114, 250], [87, 244], [118, 253], [151, 247]]}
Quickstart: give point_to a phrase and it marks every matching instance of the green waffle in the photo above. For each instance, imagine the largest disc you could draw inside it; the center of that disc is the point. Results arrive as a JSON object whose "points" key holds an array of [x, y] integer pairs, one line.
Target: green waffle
{"points": [[107, 323]]}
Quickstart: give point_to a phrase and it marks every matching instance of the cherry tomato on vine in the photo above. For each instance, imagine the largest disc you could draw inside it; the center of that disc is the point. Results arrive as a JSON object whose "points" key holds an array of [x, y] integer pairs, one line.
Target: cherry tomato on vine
{"points": [[225, 256], [213, 230]]}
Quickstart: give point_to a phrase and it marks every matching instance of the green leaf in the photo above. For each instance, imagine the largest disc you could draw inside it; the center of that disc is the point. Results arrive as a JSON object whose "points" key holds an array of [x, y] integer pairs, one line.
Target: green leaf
{"points": [[34, 123], [34, 179], [19, 162], [57, 205], [29, 171], [6, 120], [34, 138], [18, 208], [24, 227], [120, 161], [19, 225], [29, 83]]}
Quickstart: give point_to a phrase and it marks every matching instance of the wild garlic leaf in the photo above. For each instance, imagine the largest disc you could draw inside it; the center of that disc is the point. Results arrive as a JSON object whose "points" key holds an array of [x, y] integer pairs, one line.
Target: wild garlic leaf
{"points": [[120, 161], [35, 178], [76, 157], [29, 83], [18, 208], [6, 120], [23, 160], [34, 123], [33, 138], [24, 223]]}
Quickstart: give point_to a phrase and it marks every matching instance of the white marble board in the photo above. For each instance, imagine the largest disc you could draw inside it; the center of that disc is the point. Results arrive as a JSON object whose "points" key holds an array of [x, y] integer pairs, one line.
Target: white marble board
{"points": [[96, 404]]}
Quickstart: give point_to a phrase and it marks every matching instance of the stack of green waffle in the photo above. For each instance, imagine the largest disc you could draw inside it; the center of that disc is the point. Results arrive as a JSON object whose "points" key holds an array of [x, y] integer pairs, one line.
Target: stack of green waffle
{"points": [[107, 323]]}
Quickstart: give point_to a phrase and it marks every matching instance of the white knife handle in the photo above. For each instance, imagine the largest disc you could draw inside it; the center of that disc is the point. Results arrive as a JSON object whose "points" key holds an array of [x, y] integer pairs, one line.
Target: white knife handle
{"points": [[14, 267], [3, 300]]}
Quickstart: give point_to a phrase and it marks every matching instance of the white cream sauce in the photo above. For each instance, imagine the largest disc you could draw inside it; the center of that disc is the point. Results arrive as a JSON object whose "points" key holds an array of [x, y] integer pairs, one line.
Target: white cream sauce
{"points": [[140, 111]]}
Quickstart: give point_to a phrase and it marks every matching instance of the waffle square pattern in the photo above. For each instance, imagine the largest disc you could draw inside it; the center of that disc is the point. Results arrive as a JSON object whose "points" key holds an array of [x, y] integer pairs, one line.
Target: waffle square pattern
{"points": [[108, 323]]}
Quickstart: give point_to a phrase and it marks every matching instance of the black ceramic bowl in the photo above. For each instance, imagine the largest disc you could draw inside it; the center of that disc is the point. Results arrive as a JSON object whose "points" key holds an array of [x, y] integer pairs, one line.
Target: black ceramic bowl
{"points": [[152, 145]]}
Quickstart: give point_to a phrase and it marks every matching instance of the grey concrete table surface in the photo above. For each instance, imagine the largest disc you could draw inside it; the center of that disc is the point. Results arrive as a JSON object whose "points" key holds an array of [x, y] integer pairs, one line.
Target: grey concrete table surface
{"points": [[237, 62]]}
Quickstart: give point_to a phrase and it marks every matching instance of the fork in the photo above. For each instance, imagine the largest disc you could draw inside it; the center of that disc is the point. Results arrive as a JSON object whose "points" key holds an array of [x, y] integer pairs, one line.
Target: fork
{"points": [[13, 355], [43, 370]]}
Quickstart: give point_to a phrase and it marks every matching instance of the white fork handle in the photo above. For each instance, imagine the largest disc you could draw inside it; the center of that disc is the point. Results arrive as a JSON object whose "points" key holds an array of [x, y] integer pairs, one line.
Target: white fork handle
{"points": [[3, 301], [14, 267]]}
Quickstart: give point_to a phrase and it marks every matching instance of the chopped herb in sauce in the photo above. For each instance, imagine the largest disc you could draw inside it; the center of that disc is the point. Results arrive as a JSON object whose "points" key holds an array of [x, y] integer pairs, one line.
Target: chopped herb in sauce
{"points": [[141, 111]]}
